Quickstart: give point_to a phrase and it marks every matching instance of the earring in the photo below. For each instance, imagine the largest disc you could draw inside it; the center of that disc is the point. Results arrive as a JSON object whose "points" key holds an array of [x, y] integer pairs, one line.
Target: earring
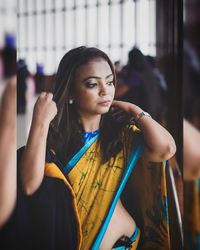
{"points": [[71, 101]]}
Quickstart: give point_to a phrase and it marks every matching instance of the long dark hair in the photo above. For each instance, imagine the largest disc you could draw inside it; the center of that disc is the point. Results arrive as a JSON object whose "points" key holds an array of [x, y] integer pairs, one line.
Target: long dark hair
{"points": [[65, 130]]}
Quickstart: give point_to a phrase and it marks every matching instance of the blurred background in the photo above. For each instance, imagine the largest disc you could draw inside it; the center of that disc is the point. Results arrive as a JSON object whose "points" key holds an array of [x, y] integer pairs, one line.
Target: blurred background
{"points": [[155, 47], [47, 29], [7, 39]]}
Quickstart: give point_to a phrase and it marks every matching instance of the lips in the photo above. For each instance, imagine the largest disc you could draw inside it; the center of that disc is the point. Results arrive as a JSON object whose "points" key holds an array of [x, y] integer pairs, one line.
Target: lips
{"points": [[106, 102]]}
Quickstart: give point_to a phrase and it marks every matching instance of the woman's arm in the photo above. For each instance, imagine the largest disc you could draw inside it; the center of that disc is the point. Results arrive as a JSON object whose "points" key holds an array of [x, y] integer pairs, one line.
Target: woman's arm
{"points": [[159, 144], [8, 152], [191, 151], [33, 159]]}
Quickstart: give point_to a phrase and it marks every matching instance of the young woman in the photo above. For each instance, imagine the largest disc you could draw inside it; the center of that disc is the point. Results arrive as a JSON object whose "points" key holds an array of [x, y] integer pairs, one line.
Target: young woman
{"points": [[79, 157]]}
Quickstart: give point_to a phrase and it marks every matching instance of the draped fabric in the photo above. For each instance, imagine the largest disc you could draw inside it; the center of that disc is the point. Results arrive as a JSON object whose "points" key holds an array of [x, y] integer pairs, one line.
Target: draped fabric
{"points": [[95, 186], [145, 196], [72, 209]]}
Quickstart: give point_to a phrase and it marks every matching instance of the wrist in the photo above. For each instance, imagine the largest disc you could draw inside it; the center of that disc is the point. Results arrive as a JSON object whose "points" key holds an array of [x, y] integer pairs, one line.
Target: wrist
{"points": [[133, 109], [40, 127], [136, 119]]}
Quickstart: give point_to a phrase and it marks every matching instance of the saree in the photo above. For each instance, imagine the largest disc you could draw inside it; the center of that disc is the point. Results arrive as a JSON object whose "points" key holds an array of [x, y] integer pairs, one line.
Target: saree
{"points": [[74, 204], [97, 188]]}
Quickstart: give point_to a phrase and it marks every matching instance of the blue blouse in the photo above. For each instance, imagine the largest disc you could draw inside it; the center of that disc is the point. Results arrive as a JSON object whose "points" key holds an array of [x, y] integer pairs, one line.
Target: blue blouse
{"points": [[89, 135]]}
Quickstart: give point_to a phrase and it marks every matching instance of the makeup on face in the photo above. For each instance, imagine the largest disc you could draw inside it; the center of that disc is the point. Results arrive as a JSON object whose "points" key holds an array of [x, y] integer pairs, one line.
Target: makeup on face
{"points": [[94, 90]]}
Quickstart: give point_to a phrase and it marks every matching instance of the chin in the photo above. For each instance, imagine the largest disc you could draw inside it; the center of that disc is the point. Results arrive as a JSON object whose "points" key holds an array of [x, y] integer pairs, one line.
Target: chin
{"points": [[104, 110]]}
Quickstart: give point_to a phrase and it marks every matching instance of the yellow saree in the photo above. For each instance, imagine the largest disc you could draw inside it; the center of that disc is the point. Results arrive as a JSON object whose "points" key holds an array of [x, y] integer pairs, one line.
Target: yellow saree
{"points": [[96, 188]]}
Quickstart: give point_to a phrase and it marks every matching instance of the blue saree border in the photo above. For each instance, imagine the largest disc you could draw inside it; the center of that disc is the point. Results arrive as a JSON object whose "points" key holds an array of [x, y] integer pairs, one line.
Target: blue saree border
{"points": [[131, 164], [132, 238], [79, 154]]}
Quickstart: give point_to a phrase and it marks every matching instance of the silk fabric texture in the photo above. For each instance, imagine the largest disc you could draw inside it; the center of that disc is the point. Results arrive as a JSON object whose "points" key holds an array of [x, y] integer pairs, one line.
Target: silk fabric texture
{"points": [[94, 186]]}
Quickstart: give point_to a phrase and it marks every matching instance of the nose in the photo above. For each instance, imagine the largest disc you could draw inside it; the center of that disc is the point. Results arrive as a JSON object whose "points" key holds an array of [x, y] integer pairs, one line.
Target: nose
{"points": [[101, 94], [102, 90]]}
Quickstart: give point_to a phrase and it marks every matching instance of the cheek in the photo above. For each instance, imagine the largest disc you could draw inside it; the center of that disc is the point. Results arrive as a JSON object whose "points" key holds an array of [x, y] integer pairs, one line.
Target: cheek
{"points": [[85, 96], [113, 92]]}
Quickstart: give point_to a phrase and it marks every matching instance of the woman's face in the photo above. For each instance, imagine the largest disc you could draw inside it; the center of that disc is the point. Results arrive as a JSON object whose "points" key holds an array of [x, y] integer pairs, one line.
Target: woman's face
{"points": [[94, 88]]}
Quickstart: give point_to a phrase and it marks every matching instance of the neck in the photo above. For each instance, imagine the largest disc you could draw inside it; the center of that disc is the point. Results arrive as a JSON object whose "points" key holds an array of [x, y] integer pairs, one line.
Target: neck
{"points": [[90, 123]]}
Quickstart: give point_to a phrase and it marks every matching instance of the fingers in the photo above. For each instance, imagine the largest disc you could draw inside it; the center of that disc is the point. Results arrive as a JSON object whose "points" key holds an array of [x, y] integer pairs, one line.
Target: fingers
{"points": [[45, 108], [119, 113], [47, 95], [44, 99], [118, 105], [115, 103], [43, 94], [116, 111]]}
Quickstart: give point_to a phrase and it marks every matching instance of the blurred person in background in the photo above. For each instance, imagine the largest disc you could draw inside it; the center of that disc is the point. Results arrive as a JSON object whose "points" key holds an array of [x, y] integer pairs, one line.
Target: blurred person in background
{"points": [[152, 62], [39, 79], [139, 84], [9, 56], [22, 76]]}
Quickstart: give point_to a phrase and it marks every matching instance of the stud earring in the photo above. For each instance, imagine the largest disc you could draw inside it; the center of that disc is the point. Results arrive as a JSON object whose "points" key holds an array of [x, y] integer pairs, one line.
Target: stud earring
{"points": [[71, 101]]}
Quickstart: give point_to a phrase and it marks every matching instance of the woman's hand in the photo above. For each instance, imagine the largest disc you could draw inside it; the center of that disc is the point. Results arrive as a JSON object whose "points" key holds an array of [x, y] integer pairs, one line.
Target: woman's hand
{"points": [[124, 111], [126, 106], [44, 110], [33, 159], [159, 144]]}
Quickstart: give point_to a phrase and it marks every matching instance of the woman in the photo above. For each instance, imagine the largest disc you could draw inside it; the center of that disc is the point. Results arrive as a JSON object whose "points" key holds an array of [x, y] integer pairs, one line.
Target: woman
{"points": [[90, 149]]}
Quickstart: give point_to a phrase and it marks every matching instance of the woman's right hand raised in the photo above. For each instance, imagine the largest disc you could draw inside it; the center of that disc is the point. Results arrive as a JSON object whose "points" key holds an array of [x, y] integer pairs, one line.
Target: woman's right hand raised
{"points": [[44, 110], [33, 159]]}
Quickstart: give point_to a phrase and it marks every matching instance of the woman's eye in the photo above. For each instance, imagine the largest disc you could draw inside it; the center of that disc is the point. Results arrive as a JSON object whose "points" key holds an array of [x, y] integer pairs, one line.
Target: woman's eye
{"points": [[110, 83], [91, 85]]}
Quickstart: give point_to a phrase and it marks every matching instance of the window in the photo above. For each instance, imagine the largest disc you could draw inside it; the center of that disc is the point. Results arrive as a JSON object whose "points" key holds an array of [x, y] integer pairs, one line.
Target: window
{"points": [[80, 27], [114, 26], [145, 20], [92, 26]]}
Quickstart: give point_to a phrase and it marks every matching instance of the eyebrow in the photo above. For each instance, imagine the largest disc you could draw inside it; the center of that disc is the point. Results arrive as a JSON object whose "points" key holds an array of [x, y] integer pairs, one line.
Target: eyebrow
{"points": [[96, 77]]}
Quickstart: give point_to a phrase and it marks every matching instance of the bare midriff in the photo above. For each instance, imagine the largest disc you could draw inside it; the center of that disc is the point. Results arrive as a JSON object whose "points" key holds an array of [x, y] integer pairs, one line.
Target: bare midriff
{"points": [[121, 224]]}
